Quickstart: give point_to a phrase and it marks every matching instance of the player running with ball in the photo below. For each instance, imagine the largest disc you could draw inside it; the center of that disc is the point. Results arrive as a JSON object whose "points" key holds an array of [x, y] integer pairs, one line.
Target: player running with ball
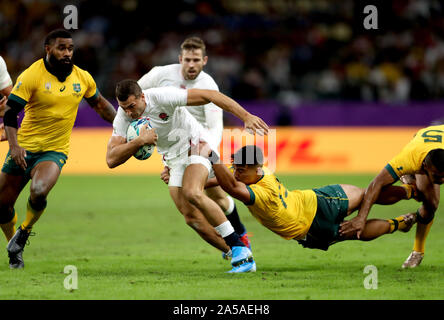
{"points": [[188, 73], [176, 131]]}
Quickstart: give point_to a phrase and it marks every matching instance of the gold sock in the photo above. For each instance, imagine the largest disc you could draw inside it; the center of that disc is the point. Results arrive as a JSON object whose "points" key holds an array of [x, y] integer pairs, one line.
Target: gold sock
{"points": [[9, 227], [422, 230], [31, 217], [397, 224], [408, 190]]}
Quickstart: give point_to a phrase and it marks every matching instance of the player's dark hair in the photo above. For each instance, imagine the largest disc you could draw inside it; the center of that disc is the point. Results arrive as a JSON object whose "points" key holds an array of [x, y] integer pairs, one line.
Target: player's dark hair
{"points": [[436, 158], [193, 43], [58, 33], [248, 155], [126, 88]]}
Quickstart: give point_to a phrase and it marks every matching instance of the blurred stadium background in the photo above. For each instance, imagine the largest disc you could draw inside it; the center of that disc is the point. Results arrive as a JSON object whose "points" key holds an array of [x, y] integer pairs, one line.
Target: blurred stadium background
{"points": [[301, 63], [344, 101]]}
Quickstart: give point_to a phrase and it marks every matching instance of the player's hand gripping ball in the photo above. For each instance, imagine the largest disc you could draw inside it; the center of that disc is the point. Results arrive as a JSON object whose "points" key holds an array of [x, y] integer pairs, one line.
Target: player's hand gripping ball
{"points": [[133, 132]]}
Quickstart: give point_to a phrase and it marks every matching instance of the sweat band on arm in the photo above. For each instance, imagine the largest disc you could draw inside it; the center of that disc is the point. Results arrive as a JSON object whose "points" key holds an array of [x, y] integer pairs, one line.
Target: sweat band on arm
{"points": [[93, 99], [10, 118], [15, 104]]}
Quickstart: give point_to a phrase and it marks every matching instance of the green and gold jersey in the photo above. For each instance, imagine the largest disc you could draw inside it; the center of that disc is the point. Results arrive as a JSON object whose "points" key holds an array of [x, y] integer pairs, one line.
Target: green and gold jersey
{"points": [[287, 213], [410, 159], [50, 106]]}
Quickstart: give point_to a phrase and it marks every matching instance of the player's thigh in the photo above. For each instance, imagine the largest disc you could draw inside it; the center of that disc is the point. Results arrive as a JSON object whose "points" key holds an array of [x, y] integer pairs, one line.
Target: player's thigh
{"points": [[43, 177], [194, 177], [10, 188], [354, 195]]}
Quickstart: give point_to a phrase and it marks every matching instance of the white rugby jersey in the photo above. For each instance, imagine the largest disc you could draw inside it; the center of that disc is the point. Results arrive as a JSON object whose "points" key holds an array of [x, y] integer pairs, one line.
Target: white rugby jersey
{"points": [[210, 116], [175, 126], [5, 78]]}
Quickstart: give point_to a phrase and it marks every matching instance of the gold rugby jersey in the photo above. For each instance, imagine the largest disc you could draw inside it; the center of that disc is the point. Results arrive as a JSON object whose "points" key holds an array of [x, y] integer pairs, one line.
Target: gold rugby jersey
{"points": [[287, 213], [50, 106]]}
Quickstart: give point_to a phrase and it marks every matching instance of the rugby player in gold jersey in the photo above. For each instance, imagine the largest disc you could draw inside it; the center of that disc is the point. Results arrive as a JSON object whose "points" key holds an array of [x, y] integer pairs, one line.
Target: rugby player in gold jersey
{"points": [[421, 162], [50, 91], [313, 216]]}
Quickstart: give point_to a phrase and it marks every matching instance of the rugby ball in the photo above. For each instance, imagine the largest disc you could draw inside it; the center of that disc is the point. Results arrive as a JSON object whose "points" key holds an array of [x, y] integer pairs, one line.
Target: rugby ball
{"points": [[133, 132]]}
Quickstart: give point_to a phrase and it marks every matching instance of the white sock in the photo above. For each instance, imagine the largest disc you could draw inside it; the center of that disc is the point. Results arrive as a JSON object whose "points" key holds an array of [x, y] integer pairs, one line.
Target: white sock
{"points": [[225, 229], [230, 205]]}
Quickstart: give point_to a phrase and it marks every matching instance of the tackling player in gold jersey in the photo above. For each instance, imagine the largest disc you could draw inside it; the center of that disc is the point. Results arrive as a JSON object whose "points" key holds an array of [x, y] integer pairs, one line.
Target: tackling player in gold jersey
{"points": [[312, 217], [422, 163], [50, 91]]}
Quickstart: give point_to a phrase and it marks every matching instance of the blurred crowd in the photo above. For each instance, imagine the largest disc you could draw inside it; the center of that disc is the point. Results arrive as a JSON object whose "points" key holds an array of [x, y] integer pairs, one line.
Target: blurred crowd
{"points": [[285, 50]]}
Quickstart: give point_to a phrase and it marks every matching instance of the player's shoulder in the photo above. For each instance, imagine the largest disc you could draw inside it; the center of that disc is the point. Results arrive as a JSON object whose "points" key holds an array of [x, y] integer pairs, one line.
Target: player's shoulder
{"points": [[268, 180], [2, 63], [436, 128], [207, 80], [34, 71], [427, 134], [38, 65], [161, 90], [82, 73], [166, 70]]}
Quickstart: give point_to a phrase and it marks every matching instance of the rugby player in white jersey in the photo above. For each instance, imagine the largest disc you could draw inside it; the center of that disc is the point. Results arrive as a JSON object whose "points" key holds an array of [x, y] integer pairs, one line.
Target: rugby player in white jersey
{"points": [[5, 90], [174, 131], [187, 74]]}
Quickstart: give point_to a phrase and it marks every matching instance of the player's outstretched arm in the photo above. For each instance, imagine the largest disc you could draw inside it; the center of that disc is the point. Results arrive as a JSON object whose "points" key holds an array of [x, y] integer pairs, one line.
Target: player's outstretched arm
{"points": [[230, 185], [119, 150], [357, 224], [103, 107], [197, 97]]}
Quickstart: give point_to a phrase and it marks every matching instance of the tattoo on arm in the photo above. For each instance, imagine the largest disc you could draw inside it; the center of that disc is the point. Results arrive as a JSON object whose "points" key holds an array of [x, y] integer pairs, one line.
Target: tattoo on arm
{"points": [[104, 108]]}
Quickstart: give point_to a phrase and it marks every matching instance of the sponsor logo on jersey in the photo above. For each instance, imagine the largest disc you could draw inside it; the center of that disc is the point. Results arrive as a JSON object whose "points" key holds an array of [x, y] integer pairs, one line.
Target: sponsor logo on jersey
{"points": [[62, 88], [18, 85]]}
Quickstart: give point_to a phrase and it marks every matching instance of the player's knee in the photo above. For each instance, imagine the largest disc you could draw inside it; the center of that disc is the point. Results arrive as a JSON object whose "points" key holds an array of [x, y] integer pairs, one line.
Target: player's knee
{"points": [[194, 196], [6, 214], [37, 200], [39, 191]]}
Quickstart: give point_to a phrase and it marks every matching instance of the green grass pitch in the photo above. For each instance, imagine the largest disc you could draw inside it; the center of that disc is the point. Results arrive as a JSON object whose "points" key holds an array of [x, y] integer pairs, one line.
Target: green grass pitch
{"points": [[127, 241]]}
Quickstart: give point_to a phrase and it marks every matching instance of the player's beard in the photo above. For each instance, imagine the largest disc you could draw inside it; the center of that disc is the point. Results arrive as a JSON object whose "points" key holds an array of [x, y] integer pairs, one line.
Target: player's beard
{"points": [[192, 76], [60, 68]]}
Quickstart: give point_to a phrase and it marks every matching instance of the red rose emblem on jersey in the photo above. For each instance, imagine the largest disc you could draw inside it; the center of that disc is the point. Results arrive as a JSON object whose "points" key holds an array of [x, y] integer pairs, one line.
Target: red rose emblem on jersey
{"points": [[164, 116]]}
